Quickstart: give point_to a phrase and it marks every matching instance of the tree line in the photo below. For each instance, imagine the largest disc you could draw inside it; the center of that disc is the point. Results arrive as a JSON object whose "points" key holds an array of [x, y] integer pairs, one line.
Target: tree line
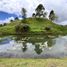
{"points": [[40, 12]]}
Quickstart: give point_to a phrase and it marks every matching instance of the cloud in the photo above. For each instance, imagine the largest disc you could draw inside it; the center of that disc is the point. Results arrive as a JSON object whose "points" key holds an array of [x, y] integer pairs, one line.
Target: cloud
{"points": [[14, 6], [63, 23]]}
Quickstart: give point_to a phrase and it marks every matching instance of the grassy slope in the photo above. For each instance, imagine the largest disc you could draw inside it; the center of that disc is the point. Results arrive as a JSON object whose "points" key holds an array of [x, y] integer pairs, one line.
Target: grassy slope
{"points": [[9, 28], [37, 25], [33, 62]]}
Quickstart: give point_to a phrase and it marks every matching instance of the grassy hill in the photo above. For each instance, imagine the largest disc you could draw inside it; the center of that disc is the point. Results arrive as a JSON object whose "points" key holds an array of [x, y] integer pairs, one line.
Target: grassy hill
{"points": [[36, 25]]}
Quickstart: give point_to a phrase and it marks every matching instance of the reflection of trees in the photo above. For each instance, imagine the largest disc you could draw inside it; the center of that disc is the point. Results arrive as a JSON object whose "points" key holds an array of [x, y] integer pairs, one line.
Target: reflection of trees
{"points": [[18, 38], [50, 43], [37, 49], [24, 48], [34, 39], [22, 40]]}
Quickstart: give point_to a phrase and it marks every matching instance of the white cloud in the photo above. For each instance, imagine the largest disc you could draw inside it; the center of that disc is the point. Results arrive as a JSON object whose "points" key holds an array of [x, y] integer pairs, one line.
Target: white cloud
{"points": [[63, 23], [14, 6]]}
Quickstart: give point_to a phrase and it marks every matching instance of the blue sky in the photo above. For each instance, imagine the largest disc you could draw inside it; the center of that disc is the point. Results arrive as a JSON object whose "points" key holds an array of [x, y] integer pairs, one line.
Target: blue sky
{"points": [[13, 8], [4, 15]]}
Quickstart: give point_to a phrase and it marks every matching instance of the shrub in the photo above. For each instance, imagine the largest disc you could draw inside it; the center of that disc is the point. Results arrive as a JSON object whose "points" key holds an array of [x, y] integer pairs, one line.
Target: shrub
{"points": [[21, 28], [11, 20], [4, 24], [1, 25], [47, 28], [25, 28]]}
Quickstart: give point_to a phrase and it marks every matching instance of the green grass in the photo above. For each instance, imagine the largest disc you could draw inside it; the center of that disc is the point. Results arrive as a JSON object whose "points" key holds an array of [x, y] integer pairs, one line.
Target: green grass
{"points": [[33, 62], [9, 28], [36, 25]]}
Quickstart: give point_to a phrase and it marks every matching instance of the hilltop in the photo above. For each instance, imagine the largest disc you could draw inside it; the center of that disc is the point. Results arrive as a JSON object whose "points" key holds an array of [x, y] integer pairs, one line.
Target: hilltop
{"points": [[37, 25]]}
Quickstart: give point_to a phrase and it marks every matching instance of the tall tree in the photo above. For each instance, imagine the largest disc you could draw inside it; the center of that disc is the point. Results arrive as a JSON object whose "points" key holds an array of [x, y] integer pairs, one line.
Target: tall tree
{"points": [[40, 10], [52, 15], [23, 13]]}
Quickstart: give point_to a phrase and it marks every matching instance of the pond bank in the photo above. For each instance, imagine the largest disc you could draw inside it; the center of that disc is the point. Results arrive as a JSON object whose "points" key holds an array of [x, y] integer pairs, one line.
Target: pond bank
{"points": [[34, 33], [13, 62]]}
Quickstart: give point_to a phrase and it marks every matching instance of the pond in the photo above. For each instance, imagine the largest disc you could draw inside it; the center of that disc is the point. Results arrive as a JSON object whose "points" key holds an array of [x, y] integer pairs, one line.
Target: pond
{"points": [[33, 46]]}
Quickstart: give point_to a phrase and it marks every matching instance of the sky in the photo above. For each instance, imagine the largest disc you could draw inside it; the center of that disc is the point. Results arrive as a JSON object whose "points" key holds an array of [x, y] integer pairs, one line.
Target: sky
{"points": [[14, 7]]}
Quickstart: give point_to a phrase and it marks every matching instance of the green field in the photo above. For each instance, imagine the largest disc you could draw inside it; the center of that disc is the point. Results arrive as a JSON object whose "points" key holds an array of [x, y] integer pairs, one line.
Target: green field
{"points": [[36, 25], [33, 62]]}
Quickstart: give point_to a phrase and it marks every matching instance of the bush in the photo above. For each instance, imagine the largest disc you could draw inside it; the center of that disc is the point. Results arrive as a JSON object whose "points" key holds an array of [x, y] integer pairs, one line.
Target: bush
{"points": [[4, 24], [11, 20], [21, 28], [25, 28], [1, 25], [47, 28]]}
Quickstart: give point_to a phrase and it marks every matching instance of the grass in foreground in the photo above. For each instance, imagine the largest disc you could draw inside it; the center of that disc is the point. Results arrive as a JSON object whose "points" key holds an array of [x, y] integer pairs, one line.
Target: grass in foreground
{"points": [[33, 62]]}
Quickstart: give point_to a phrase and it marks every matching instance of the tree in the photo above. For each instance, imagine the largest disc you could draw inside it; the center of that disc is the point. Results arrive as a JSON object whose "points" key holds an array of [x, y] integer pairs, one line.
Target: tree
{"points": [[1, 25], [24, 47], [33, 15], [4, 24], [47, 28], [22, 28], [11, 20], [23, 13], [40, 7], [40, 10], [37, 49], [16, 18], [25, 28], [52, 15]]}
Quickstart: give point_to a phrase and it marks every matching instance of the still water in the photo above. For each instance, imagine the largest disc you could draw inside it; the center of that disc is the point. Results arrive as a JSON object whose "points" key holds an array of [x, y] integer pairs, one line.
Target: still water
{"points": [[33, 46]]}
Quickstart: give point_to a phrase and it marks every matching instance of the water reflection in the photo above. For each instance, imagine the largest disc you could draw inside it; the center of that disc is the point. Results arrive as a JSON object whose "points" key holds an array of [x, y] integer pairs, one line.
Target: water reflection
{"points": [[37, 49], [24, 48], [39, 42], [33, 46], [5, 40]]}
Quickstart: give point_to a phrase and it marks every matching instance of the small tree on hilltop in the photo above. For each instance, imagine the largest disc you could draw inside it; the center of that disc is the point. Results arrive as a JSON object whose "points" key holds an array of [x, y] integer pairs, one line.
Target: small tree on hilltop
{"points": [[24, 15], [23, 12], [52, 15], [33, 15]]}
